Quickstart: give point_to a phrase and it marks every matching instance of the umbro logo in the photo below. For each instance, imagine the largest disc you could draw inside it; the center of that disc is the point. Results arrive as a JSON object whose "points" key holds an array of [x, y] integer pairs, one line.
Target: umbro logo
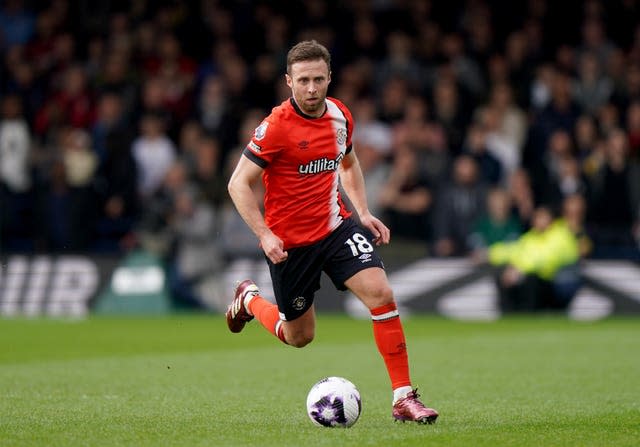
{"points": [[304, 144], [365, 257]]}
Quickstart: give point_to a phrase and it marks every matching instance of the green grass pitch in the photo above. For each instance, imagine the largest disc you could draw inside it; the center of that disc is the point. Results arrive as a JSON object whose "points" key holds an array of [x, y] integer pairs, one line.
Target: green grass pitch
{"points": [[185, 381]]}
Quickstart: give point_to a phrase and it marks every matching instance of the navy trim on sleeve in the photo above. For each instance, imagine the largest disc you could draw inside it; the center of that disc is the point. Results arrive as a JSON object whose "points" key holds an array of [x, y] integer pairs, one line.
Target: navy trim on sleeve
{"points": [[348, 149], [254, 158]]}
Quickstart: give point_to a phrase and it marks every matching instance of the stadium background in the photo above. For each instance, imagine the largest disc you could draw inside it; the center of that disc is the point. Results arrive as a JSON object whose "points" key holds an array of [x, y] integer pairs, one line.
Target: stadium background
{"points": [[121, 122]]}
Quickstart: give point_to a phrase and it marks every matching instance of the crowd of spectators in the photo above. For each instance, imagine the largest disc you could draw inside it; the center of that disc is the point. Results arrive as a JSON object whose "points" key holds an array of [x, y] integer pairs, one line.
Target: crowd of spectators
{"points": [[120, 120]]}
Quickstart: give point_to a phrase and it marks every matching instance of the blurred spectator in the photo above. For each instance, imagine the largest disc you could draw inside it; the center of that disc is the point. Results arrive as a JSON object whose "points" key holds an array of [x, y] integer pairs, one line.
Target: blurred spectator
{"points": [[17, 24], [393, 98], [370, 131], [608, 118], [498, 145], [406, 197], [116, 182], [449, 112], [633, 129], [80, 163], [560, 113], [476, 21], [540, 270], [413, 128], [540, 94], [71, 105], [80, 160], [595, 40], [465, 68], [511, 121], [116, 77], [630, 90], [521, 193], [568, 181], [238, 242], [435, 157], [498, 224], [373, 142], [216, 114], [66, 205], [39, 49], [399, 61], [261, 86], [154, 154], [519, 57], [153, 230], [15, 146], [176, 72], [593, 88], [54, 207], [152, 101], [614, 199], [567, 280], [110, 127], [560, 174], [191, 133], [21, 80], [236, 239], [64, 55], [15, 176], [197, 254], [206, 173], [475, 145], [585, 136], [365, 39], [458, 205]]}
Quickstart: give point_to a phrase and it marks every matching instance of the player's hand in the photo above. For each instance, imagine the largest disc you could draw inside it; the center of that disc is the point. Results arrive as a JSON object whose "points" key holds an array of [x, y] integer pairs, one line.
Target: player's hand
{"points": [[273, 247], [381, 234]]}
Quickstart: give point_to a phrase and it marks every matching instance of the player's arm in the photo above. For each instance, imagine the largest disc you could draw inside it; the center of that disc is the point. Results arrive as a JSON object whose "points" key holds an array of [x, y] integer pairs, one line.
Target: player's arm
{"points": [[353, 184], [244, 177]]}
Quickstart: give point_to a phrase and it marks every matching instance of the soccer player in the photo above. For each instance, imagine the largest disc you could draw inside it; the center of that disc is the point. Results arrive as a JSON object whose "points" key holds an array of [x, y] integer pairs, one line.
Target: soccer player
{"points": [[302, 150]]}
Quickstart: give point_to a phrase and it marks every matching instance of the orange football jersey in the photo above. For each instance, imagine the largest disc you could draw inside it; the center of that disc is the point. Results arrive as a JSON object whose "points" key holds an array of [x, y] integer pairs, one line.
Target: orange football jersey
{"points": [[300, 156]]}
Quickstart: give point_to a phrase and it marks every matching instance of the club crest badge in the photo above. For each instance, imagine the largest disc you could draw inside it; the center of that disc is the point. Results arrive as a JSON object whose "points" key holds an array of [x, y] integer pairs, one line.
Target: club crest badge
{"points": [[341, 136], [298, 303], [261, 131]]}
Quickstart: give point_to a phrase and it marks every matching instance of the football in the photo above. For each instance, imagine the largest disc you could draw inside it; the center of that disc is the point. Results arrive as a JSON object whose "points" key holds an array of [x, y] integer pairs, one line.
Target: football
{"points": [[334, 402]]}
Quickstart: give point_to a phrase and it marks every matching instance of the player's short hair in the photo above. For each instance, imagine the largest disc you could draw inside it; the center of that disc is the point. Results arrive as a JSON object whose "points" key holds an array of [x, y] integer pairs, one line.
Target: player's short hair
{"points": [[308, 50]]}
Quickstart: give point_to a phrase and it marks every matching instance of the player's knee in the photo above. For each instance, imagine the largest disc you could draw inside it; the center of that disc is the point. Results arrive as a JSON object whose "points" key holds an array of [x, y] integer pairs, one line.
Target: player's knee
{"points": [[300, 339], [380, 296]]}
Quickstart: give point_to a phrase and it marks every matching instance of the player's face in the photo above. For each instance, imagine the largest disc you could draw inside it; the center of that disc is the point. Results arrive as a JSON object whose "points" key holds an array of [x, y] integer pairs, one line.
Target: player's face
{"points": [[309, 81]]}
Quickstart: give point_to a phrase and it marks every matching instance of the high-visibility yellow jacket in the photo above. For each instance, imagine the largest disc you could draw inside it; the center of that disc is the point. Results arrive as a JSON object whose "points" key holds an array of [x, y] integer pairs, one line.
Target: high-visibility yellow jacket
{"points": [[542, 253]]}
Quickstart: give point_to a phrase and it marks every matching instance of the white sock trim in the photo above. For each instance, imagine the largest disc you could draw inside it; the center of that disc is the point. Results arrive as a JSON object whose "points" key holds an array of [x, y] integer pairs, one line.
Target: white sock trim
{"points": [[401, 392], [247, 300], [385, 316]]}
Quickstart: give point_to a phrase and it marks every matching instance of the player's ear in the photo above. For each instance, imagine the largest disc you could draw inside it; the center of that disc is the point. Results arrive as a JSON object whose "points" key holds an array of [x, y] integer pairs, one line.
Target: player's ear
{"points": [[329, 79], [289, 80]]}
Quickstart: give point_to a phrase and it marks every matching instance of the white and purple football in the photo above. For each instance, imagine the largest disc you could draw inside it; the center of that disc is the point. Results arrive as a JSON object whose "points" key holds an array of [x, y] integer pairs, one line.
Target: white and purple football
{"points": [[334, 402]]}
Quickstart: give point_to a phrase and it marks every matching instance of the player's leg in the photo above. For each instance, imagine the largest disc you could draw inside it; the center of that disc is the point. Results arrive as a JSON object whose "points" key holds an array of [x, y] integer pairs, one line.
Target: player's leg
{"points": [[294, 281], [248, 304], [300, 332], [371, 286]]}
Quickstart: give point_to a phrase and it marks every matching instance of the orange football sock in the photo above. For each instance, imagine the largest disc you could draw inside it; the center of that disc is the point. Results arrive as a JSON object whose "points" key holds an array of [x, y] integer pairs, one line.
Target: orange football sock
{"points": [[268, 316], [389, 336]]}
